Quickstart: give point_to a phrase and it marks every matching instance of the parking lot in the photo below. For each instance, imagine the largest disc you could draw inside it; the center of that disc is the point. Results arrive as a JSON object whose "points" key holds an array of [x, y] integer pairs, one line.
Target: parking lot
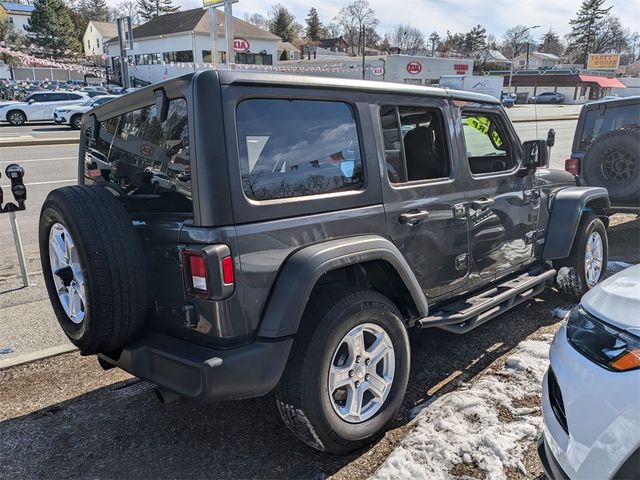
{"points": [[65, 417]]}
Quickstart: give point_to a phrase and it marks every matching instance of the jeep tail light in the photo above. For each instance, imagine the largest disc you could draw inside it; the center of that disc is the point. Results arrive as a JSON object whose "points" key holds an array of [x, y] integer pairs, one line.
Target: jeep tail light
{"points": [[572, 165], [195, 272], [227, 271]]}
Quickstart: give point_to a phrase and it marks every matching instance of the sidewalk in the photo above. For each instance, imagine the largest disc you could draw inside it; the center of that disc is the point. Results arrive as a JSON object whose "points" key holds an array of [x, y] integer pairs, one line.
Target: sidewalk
{"points": [[29, 140]]}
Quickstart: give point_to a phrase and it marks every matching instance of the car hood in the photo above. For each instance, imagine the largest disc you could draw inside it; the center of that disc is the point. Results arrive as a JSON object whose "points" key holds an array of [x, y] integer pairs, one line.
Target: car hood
{"points": [[73, 108], [10, 102], [617, 300]]}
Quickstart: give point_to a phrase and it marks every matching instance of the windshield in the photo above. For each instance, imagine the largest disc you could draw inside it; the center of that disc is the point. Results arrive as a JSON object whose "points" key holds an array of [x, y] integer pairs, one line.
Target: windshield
{"points": [[88, 103]]}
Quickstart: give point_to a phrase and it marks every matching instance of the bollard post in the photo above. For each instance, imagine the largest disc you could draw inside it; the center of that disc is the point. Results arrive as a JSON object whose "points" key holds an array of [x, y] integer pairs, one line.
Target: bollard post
{"points": [[19, 250]]}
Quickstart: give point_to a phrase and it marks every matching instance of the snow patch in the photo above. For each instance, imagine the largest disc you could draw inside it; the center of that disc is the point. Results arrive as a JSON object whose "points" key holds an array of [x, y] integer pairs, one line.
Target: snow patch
{"points": [[466, 426]]}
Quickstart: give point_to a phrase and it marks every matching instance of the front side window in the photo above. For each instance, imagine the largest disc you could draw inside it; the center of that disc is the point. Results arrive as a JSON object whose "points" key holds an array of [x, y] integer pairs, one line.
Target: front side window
{"points": [[297, 148], [488, 148], [414, 144], [145, 159]]}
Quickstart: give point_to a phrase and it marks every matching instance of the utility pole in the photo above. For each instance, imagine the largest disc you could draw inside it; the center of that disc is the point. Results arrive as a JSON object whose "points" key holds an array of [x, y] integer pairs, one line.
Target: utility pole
{"points": [[126, 44], [363, 48], [213, 25], [228, 29], [527, 64]]}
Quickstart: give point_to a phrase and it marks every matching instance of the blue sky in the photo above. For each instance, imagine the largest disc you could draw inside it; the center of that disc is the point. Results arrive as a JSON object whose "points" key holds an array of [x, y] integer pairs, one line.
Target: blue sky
{"points": [[455, 15]]}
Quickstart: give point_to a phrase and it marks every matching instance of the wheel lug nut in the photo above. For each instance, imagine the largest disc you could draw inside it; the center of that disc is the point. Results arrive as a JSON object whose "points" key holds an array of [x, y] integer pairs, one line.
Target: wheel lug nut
{"points": [[367, 376], [367, 361], [357, 384], [351, 373], [358, 359]]}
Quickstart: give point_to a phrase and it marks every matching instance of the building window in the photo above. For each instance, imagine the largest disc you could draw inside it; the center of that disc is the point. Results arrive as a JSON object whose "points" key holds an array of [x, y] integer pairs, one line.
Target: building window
{"points": [[254, 58], [148, 59], [206, 56], [88, 44], [98, 42], [180, 56], [10, 19]]}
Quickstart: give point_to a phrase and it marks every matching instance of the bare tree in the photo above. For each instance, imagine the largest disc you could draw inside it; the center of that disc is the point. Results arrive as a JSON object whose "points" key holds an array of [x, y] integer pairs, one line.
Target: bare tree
{"points": [[258, 20], [352, 18], [434, 41], [334, 30], [408, 39], [514, 38], [127, 8]]}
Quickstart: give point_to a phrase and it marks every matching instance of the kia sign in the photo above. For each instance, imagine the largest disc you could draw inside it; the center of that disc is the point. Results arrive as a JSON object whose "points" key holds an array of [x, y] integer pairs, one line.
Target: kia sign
{"points": [[414, 68], [240, 45], [377, 71]]}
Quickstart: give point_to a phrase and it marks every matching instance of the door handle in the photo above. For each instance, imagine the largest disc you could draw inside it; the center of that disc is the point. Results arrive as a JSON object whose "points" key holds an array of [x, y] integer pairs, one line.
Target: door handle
{"points": [[482, 203], [413, 217]]}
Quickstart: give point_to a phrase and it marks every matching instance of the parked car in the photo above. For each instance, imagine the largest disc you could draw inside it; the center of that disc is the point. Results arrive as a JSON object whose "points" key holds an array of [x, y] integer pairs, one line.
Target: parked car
{"points": [[508, 100], [304, 238], [38, 106], [591, 392], [606, 150], [72, 114], [547, 97]]}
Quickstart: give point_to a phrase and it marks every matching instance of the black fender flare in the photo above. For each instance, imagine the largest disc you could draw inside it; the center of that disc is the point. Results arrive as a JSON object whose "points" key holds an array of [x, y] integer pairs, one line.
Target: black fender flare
{"points": [[301, 271], [568, 206]]}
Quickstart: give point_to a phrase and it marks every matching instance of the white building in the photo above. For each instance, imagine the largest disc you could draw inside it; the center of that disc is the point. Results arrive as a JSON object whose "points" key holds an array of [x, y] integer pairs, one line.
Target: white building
{"points": [[412, 69], [95, 36], [17, 14], [178, 43], [536, 60]]}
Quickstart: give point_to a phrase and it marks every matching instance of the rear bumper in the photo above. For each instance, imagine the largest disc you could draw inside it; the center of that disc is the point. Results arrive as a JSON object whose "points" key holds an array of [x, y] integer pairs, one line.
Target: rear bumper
{"points": [[552, 468], [204, 373]]}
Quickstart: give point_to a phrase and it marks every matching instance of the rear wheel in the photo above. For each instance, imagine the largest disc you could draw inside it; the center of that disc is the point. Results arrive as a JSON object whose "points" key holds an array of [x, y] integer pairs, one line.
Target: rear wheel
{"points": [[16, 118], [587, 262], [348, 371]]}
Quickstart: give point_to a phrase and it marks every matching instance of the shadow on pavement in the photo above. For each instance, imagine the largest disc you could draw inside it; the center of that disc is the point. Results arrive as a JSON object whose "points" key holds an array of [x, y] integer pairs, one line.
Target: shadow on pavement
{"points": [[121, 431]]}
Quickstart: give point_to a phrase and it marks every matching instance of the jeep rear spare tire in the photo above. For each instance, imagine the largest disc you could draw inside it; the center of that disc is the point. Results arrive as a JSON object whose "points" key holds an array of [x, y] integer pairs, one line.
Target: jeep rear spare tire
{"points": [[613, 161], [93, 266]]}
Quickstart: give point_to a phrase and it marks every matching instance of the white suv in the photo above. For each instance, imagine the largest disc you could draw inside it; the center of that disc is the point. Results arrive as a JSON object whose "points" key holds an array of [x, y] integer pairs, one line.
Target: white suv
{"points": [[72, 114], [38, 106]]}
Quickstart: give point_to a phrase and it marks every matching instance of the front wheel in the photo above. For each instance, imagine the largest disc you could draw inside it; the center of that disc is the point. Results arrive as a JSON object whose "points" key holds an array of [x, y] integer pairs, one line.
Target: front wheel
{"points": [[587, 262], [348, 371], [16, 118], [76, 122]]}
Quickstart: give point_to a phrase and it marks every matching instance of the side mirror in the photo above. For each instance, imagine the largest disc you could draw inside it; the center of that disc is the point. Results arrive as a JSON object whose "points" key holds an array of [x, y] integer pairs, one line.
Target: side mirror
{"points": [[31, 100], [551, 138], [535, 154]]}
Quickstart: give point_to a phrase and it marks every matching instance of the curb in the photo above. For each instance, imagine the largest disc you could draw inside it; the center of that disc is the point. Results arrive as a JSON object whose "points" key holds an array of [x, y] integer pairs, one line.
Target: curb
{"points": [[35, 356], [35, 141]]}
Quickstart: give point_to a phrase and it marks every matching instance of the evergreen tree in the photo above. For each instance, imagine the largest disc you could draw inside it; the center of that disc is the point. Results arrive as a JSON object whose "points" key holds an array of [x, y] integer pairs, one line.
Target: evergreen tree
{"points": [[584, 28], [283, 23], [475, 40], [51, 28], [94, 10], [150, 9], [434, 41], [551, 43], [315, 30]]}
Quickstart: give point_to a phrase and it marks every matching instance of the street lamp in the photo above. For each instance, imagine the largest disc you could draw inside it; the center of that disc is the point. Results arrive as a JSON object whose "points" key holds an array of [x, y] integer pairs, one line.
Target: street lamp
{"points": [[515, 51]]}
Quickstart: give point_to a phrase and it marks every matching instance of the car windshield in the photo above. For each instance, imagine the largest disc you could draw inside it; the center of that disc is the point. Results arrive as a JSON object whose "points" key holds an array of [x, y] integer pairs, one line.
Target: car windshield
{"points": [[88, 103]]}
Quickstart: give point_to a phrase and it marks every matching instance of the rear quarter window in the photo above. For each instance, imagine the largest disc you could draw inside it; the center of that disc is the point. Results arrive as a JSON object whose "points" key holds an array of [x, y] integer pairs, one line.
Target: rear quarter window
{"points": [[297, 148], [598, 121], [145, 159]]}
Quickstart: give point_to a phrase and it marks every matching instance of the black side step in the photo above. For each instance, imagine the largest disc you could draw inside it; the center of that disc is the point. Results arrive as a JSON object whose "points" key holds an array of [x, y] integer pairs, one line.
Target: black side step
{"points": [[467, 314]]}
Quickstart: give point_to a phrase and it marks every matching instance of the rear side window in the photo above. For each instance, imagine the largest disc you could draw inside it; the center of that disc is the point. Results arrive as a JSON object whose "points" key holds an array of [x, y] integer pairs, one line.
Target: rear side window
{"points": [[145, 159], [601, 121], [297, 148]]}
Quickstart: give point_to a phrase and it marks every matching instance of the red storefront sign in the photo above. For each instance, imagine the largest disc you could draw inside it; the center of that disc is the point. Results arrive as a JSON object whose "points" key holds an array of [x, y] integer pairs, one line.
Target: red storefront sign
{"points": [[414, 68]]}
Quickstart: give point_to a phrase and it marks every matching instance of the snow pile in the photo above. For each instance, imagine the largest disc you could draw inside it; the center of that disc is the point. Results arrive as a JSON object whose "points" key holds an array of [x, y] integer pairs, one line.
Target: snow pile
{"points": [[480, 424]]}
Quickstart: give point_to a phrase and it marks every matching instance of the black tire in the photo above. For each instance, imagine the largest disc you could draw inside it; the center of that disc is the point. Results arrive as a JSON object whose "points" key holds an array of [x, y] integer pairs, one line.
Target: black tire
{"points": [[572, 277], [613, 161], [16, 118], [302, 395], [75, 122], [112, 264]]}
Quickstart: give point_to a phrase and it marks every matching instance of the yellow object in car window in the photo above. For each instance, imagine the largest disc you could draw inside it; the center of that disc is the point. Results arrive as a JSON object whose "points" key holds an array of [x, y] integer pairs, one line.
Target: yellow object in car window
{"points": [[483, 124]]}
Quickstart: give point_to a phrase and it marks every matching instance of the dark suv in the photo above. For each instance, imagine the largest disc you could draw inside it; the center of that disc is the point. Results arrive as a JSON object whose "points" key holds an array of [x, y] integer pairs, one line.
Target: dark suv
{"points": [[606, 150], [304, 226]]}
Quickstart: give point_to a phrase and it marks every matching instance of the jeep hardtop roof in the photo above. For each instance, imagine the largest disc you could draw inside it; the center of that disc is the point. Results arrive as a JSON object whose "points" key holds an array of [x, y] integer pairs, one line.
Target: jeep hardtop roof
{"points": [[239, 77]]}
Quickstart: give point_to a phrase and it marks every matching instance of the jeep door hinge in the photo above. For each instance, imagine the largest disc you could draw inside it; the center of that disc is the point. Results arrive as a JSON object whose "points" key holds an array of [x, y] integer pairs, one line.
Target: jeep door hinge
{"points": [[533, 236], [463, 261], [459, 210], [532, 196]]}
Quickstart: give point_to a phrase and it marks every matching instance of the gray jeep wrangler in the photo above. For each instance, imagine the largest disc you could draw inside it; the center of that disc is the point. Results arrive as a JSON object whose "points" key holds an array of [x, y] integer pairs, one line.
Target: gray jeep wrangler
{"points": [[235, 234]]}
